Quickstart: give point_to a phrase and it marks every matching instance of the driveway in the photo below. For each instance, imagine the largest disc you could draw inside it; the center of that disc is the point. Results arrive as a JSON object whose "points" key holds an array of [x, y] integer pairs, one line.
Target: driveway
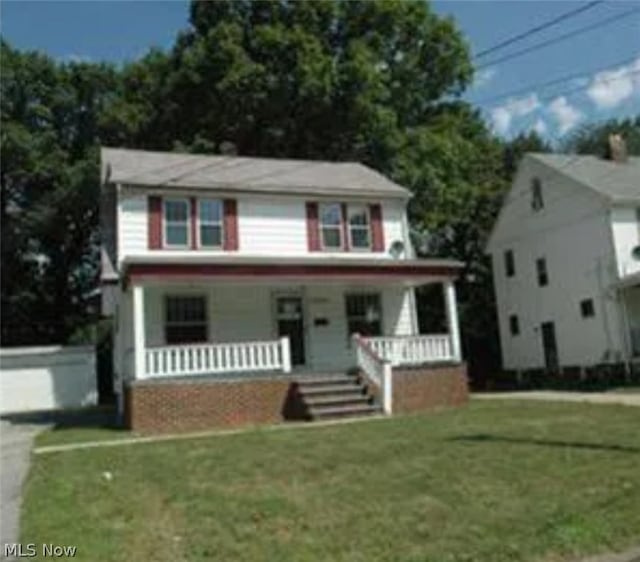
{"points": [[15, 452], [626, 398]]}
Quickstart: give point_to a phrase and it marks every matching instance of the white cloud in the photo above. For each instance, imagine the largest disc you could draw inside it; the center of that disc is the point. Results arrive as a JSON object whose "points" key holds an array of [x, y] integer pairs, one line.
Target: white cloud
{"points": [[483, 77], [503, 115], [610, 88], [540, 127], [565, 114]]}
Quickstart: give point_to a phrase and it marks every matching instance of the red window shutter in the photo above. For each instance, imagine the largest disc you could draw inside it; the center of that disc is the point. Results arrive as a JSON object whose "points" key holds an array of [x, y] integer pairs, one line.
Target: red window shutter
{"points": [[313, 230], [231, 242], [377, 231], [194, 223], [345, 228], [154, 204]]}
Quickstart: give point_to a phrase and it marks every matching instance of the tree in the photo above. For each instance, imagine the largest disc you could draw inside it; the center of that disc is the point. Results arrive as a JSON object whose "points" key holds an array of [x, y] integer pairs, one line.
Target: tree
{"points": [[594, 138], [516, 148], [49, 185]]}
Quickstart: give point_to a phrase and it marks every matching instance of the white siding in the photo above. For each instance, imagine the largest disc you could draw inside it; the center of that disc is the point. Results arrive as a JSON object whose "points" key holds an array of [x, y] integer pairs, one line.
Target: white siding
{"points": [[572, 234], [626, 236], [273, 226]]}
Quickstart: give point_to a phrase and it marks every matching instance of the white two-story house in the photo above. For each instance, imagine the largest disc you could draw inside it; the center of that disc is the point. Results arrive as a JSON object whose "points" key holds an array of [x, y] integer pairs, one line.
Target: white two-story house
{"points": [[245, 288], [566, 262]]}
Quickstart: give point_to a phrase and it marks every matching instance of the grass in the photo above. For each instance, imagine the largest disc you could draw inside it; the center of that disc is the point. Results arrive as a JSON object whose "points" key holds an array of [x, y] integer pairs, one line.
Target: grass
{"points": [[494, 481]]}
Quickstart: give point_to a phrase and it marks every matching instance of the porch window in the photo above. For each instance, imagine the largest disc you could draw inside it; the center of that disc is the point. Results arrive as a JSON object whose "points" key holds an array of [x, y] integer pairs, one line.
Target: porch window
{"points": [[331, 226], [185, 319], [364, 315], [210, 221], [176, 223], [359, 228]]}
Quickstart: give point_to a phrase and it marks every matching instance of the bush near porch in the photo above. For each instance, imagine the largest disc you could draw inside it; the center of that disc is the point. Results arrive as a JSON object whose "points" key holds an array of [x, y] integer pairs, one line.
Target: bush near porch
{"points": [[489, 482]]}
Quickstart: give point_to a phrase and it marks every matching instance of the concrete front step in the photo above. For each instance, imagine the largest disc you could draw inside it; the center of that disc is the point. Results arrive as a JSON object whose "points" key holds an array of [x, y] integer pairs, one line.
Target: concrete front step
{"points": [[326, 379], [355, 398], [324, 412], [320, 390]]}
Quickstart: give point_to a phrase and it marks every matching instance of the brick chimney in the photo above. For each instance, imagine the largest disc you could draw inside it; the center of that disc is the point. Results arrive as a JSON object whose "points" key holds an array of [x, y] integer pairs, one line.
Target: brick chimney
{"points": [[617, 149]]}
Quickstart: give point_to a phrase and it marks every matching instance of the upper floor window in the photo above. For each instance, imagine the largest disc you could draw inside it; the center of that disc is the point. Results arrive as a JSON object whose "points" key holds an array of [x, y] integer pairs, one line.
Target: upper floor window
{"points": [[514, 325], [537, 200], [359, 228], [176, 223], [509, 263], [587, 308], [331, 226], [210, 223], [541, 269]]}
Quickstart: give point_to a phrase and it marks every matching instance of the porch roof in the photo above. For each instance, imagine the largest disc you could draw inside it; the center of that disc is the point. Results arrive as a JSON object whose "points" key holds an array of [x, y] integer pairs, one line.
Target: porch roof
{"points": [[138, 269]]}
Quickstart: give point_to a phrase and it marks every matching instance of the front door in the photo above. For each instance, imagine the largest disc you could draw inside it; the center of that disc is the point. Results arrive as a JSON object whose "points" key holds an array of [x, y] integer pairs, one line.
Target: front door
{"points": [[550, 347], [290, 323]]}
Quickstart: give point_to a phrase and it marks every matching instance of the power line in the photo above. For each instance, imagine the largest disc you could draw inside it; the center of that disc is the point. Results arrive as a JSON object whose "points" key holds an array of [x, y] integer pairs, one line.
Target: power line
{"points": [[559, 80], [560, 38], [538, 28]]}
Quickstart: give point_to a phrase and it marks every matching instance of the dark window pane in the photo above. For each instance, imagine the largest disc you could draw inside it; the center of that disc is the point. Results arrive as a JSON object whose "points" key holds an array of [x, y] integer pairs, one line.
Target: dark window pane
{"points": [[587, 308], [176, 211], [514, 325], [331, 238], [331, 214], [210, 211], [509, 263], [210, 235], [541, 268], [360, 238], [185, 333], [177, 235]]}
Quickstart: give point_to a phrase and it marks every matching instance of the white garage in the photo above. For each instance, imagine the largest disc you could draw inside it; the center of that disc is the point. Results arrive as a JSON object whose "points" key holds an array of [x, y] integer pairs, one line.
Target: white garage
{"points": [[47, 378]]}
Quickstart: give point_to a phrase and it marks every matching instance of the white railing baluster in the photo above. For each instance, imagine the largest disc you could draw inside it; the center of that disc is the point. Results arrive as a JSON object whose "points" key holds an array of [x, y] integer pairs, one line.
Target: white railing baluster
{"points": [[412, 350]]}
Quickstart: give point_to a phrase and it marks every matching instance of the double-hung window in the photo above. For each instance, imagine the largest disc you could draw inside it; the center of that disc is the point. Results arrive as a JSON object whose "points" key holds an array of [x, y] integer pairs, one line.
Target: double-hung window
{"points": [[331, 226], [185, 319], [359, 228], [176, 223], [210, 223], [364, 314]]}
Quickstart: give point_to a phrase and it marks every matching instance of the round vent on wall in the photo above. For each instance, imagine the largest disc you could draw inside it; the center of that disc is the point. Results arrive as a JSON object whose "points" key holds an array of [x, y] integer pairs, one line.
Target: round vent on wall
{"points": [[396, 249], [635, 253]]}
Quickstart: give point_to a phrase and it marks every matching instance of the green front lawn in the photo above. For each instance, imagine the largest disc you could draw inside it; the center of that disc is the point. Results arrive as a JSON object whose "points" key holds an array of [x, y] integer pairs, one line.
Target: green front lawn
{"points": [[495, 481]]}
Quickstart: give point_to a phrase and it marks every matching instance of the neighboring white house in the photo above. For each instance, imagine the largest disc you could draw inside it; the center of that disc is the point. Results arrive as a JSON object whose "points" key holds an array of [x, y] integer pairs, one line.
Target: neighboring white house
{"points": [[220, 265], [566, 262]]}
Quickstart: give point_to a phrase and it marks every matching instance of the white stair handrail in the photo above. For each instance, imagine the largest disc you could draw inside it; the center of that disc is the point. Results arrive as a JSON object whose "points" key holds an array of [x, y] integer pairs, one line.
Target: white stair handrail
{"points": [[376, 369]]}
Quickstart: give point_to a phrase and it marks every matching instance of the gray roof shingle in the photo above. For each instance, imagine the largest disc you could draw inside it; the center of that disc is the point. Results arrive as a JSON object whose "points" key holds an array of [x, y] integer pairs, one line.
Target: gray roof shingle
{"points": [[619, 182], [237, 173]]}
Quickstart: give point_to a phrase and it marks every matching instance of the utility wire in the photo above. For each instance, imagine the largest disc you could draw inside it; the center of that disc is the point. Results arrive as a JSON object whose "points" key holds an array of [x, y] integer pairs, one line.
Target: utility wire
{"points": [[559, 38], [559, 80], [537, 29]]}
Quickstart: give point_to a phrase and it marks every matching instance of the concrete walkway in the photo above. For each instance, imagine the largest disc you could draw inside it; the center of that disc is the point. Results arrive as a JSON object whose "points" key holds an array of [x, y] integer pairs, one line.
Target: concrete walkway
{"points": [[15, 453], [632, 555], [611, 397]]}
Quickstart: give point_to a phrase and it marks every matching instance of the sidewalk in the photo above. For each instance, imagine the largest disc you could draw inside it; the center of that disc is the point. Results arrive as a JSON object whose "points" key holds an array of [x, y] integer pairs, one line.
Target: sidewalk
{"points": [[611, 397]]}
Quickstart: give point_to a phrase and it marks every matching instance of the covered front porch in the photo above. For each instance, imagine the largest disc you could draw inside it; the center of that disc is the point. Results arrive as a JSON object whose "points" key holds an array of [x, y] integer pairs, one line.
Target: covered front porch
{"points": [[177, 322]]}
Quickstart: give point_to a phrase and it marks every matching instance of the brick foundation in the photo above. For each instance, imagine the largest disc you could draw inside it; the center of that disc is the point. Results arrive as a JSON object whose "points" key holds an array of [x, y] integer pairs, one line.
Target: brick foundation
{"points": [[424, 388], [188, 405]]}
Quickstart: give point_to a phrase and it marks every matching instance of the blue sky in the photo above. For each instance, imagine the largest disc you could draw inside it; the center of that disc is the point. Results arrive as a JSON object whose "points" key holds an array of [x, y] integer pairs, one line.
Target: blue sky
{"points": [[120, 31]]}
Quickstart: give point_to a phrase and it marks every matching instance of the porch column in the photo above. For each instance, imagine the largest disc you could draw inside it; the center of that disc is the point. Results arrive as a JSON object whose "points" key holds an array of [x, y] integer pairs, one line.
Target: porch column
{"points": [[452, 318], [138, 331]]}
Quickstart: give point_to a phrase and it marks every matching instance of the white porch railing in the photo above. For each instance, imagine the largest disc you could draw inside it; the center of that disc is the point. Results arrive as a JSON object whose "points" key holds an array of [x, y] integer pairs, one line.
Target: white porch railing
{"points": [[216, 358], [376, 369], [413, 350]]}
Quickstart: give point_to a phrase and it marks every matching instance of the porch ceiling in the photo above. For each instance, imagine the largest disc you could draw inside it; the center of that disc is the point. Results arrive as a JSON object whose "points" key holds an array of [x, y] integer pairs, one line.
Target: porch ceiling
{"points": [[418, 271]]}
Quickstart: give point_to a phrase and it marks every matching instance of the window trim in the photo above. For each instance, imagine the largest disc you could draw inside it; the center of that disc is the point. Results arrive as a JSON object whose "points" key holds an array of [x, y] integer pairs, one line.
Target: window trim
{"points": [[356, 293], [199, 223], [165, 321], [367, 227], [339, 227], [165, 222]]}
